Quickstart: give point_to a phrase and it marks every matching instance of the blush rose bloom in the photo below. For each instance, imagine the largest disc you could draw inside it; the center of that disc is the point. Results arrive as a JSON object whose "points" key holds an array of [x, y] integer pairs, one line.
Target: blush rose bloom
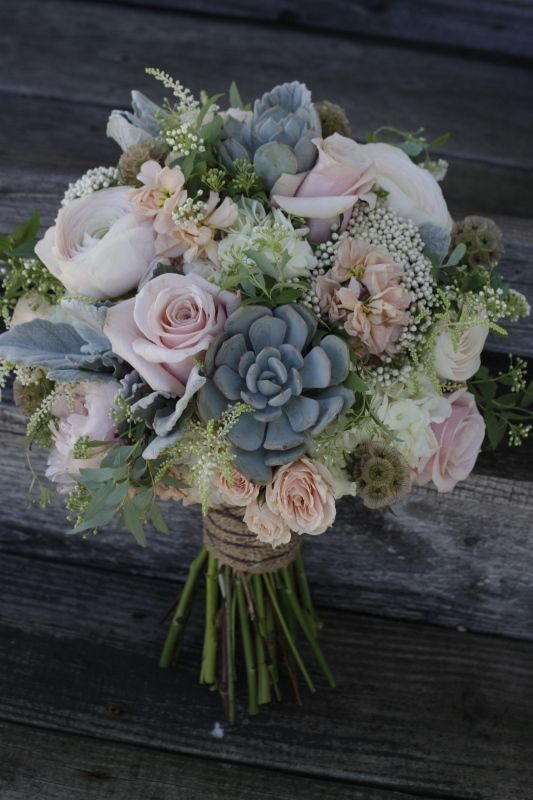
{"points": [[170, 323], [270, 527], [97, 247], [239, 492], [413, 192], [342, 175], [302, 494], [459, 439], [89, 415], [458, 362]]}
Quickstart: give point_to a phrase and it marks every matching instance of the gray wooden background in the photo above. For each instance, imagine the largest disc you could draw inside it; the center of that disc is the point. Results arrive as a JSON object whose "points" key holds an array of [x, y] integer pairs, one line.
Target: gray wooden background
{"points": [[428, 610]]}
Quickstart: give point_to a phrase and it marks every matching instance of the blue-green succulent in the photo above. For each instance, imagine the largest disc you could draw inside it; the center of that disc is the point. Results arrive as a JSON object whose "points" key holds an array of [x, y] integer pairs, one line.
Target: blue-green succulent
{"points": [[277, 137], [266, 359]]}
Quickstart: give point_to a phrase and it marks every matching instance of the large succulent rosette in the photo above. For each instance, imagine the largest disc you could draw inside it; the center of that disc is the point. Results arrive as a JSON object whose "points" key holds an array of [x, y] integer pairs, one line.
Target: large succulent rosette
{"points": [[267, 359]]}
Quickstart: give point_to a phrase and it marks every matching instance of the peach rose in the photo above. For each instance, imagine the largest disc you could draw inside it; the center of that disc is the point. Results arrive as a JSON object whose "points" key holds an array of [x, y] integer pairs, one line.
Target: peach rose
{"points": [[459, 361], [413, 192], [459, 439], [342, 175], [172, 321], [269, 526], [237, 492], [302, 494], [97, 247], [378, 322]]}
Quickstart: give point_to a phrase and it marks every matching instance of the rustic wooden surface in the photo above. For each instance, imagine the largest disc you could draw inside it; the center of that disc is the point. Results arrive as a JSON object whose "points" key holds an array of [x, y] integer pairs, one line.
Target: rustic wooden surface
{"points": [[425, 709]]}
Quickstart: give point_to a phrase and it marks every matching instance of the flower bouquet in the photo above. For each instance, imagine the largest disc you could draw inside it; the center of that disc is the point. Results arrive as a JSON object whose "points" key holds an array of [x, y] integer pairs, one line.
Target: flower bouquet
{"points": [[255, 313]]}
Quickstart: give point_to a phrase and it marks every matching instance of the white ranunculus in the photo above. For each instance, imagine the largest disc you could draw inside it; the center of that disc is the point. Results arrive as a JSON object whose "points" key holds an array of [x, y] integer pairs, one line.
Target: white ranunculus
{"points": [[97, 247], [458, 362], [413, 192]]}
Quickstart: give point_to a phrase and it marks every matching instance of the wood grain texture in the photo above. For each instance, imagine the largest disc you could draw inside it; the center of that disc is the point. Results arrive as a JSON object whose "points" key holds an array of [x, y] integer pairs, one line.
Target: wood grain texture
{"points": [[462, 559], [48, 765], [420, 709], [487, 25]]}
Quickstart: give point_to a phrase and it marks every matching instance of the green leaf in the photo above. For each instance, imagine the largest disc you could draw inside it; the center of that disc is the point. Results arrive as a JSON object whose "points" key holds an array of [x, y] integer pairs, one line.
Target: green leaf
{"points": [[118, 494], [235, 99], [440, 140], [356, 383], [488, 390], [26, 231], [527, 397], [157, 519], [98, 520], [456, 255], [411, 148], [495, 427], [134, 524]]}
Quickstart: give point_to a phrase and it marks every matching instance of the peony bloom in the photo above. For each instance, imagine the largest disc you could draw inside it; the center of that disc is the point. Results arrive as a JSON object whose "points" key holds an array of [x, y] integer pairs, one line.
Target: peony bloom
{"points": [[88, 415], [97, 247], [459, 361], [302, 493], [342, 175], [239, 492], [172, 321], [459, 438], [269, 526], [413, 192]]}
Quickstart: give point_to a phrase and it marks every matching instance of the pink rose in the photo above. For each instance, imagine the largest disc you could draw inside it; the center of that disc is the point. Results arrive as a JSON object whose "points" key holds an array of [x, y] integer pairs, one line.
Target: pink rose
{"points": [[97, 247], [413, 191], [459, 440], [239, 492], [88, 414], [302, 494], [269, 526], [342, 175], [172, 321]]}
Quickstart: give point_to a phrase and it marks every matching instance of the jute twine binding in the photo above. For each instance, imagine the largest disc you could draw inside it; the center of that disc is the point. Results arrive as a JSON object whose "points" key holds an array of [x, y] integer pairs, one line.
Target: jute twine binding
{"points": [[228, 539]]}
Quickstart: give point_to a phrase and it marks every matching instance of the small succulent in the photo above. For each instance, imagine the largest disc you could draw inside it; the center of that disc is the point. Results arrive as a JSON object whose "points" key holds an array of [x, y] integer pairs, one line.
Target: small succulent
{"points": [[265, 359], [277, 136], [482, 239], [134, 157], [332, 118], [382, 474]]}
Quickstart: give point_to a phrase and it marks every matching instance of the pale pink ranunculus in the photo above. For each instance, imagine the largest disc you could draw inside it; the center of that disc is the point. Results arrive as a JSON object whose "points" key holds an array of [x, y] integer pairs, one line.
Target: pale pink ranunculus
{"points": [[372, 266], [269, 526], [98, 247], [88, 413], [171, 322], [413, 193], [459, 439], [237, 492], [342, 175], [303, 494], [458, 361]]}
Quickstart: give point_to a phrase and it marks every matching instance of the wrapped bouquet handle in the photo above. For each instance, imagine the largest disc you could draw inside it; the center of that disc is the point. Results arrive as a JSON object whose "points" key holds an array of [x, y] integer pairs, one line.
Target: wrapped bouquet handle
{"points": [[262, 594]]}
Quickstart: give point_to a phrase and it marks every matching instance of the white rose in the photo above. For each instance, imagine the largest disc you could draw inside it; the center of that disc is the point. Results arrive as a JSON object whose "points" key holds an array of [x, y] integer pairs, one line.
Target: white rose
{"points": [[458, 362], [97, 247], [413, 192]]}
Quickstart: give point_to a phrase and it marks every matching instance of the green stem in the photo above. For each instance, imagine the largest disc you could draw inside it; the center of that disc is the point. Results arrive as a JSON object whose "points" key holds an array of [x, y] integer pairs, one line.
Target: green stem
{"points": [[263, 677], [249, 659], [305, 594], [272, 592], [179, 619], [230, 643], [290, 617], [209, 656], [310, 636]]}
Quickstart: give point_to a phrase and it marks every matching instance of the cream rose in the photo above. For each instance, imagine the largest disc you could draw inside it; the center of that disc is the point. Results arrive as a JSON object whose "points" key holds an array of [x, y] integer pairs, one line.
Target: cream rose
{"points": [[302, 493], [169, 324], [458, 362], [97, 247], [269, 526], [413, 192], [342, 175], [237, 492]]}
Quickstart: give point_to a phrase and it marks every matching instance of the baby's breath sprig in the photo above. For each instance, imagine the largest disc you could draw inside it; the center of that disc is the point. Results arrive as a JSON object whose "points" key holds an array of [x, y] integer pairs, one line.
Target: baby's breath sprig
{"points": [[181, 93]]}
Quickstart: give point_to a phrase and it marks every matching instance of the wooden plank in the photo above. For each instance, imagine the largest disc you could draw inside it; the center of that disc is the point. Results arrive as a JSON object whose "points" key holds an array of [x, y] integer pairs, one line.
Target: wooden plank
{"points": [[462, 559], [486, 25], [50, 765], [419, 709], [376, 83]]}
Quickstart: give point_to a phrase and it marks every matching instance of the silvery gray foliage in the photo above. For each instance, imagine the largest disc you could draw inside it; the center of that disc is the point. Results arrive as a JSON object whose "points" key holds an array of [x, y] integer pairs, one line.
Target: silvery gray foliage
{"points": [[436, 240], [128, 128], [278, 136], [266, 359], [69, 352]]}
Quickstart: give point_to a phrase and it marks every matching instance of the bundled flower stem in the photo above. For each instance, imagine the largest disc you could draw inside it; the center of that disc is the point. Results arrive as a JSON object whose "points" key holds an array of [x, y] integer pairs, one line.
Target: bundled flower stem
{"points": [[265, 613]]}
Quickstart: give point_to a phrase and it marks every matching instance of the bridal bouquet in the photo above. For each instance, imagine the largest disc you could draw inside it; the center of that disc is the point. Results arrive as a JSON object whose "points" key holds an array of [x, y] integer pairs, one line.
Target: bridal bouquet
{"points": [[253, 312]]}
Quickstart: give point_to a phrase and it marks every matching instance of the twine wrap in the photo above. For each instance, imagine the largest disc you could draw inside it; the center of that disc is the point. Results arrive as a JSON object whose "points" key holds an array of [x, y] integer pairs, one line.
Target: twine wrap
{"points": [[228, 539]]}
